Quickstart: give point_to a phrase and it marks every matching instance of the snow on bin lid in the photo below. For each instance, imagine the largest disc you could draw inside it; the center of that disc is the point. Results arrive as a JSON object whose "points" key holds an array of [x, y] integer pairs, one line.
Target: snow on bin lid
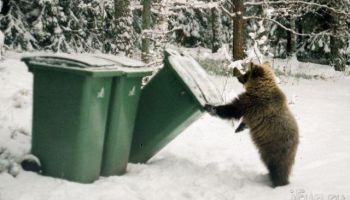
{"points": [[91, 62], [195, 77], [77, 60]]}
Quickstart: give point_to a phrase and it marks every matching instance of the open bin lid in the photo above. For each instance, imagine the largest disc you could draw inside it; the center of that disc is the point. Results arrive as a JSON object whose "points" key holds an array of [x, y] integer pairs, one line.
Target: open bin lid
{"points": [[195, 78], [93, 64]]}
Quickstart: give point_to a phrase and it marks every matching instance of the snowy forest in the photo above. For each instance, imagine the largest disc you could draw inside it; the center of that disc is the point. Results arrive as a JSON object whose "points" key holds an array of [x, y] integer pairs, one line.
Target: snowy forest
{"points": [[313, 30]]}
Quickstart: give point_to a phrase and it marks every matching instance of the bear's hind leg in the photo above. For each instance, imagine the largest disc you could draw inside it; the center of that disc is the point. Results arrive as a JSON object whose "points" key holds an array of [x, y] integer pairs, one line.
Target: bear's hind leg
{"points": [[278, 173]]}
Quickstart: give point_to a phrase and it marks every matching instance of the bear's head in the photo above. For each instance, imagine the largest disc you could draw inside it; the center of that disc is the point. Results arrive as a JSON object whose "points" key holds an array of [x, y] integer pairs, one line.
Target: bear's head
{"points": [[256, 75]]}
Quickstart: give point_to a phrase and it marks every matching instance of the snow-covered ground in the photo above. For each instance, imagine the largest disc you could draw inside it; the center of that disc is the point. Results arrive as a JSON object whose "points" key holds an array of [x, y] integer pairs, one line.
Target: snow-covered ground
{"points": [[207, 161]]}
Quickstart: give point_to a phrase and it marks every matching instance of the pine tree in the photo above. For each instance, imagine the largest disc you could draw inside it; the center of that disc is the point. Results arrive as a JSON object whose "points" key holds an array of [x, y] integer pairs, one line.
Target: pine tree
{"points": [[15, 28], [46, 27], [292, 38], [216, 27], [339, 28], [123, 23]]}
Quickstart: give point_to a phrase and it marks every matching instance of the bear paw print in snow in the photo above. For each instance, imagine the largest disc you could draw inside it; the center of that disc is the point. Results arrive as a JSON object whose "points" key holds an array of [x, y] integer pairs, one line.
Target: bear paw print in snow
{"points": [[18, 131], [9, 166], [14, 169], [4, 164], [21, 98]]}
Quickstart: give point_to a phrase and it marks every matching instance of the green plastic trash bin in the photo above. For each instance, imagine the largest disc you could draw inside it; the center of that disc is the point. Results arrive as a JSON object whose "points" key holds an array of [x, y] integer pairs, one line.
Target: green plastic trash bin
{"points": [[71, 115], [121, 118], [169, 103]]}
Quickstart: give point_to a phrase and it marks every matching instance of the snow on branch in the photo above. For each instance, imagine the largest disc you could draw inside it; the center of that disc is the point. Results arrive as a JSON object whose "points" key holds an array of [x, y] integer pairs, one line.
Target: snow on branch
{"points": [[194, 4], [232, 15], [297, 2]]}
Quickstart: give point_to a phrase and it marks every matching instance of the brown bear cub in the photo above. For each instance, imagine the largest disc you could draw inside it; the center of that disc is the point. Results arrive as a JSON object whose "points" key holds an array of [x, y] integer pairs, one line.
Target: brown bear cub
{"points": [[265, 112]]}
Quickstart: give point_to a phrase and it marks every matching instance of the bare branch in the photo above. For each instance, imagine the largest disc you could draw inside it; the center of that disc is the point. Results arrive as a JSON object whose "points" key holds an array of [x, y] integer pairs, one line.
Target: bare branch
{"points": [[286, 28]]}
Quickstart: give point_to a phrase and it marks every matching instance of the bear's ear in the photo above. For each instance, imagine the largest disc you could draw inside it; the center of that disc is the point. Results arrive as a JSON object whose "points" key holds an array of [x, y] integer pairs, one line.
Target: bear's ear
{"points": [[257, 71]]}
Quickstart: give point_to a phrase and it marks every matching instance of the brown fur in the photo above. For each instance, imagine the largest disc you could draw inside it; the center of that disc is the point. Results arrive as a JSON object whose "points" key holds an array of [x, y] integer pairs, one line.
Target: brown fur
{"points": [[272, 126]]}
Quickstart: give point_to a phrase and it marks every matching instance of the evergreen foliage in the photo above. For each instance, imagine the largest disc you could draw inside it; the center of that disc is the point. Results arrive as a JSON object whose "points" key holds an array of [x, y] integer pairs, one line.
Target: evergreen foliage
{"points": [[60, 25], [93, 25]]}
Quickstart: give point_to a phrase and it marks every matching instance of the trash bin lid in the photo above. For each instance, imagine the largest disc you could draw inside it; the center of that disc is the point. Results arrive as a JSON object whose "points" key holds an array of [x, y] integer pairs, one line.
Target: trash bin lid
{"points": [[195, 78], [122, 60], [94, 64]]}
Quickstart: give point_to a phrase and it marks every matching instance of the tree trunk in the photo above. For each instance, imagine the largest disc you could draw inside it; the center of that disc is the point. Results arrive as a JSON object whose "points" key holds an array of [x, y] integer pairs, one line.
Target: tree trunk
{"points": [[216, 28], [292, 38], [161, 26], [238, 30], [338, 42], [123, 24], [146, 25]]}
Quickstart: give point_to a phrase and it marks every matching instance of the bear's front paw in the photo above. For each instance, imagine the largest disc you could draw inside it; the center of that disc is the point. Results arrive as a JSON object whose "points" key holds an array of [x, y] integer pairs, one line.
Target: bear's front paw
{"points": [[210, 109]]}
